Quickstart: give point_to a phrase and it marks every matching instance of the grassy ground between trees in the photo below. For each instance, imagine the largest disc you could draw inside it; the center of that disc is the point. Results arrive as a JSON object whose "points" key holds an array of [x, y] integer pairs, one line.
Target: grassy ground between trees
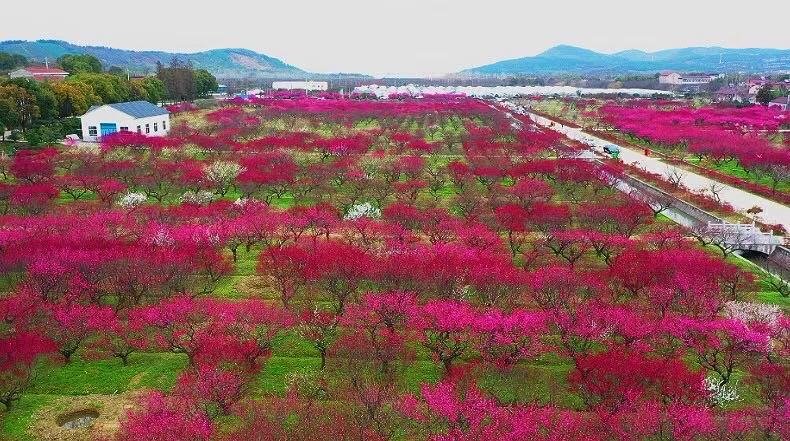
{"points": [[541, 380]]}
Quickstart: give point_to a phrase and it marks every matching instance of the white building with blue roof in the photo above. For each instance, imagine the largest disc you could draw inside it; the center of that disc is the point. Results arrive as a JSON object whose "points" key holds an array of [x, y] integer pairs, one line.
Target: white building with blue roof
{"points": [[133, 116]]}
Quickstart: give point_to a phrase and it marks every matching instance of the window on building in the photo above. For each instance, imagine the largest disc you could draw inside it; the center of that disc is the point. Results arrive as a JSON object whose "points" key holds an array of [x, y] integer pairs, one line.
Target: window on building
{"points": [[164, 125], [92, 131], [124, 129], [156, 127], [139, 130], [148, 128]]}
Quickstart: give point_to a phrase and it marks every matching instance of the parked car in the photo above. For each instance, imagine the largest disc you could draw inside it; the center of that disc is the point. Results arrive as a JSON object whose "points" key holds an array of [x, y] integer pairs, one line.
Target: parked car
{"points": [[611, 149]]}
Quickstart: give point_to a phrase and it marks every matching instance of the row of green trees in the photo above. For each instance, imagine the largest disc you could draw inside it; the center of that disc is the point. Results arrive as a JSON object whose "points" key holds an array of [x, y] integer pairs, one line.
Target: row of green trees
{"points": [[179, 80], [25, 103], [11, 61], [184, 83]]}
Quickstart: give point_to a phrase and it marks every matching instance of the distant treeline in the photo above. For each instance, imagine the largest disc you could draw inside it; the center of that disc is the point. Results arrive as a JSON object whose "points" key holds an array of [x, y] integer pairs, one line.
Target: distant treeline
{"points": [[26, 103]]}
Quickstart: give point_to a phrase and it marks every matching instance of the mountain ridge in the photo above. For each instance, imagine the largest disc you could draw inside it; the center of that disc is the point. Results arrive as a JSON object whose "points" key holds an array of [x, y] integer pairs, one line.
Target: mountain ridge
{"points": [[222, 62], [245, 63], [567, 58]]}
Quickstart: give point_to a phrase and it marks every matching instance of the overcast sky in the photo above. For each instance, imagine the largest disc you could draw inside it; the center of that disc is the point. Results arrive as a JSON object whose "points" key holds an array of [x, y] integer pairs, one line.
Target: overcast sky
{"points": [[403, 37]]}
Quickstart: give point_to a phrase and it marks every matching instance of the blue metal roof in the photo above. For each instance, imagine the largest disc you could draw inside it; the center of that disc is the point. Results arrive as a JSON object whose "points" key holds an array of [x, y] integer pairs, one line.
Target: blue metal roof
{"points": [[137, 109]]}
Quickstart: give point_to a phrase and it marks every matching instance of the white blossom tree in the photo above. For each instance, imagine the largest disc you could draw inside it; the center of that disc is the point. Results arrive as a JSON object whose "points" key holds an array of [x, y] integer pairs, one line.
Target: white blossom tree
{"points": [[222, 175], [132, 200]]}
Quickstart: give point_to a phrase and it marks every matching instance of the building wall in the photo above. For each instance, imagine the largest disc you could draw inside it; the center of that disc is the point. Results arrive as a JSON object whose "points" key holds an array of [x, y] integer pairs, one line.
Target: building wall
{"points": [[671, 78], [677, 79], [20, 73], [300, 85], [696, 80], [106, 114]]}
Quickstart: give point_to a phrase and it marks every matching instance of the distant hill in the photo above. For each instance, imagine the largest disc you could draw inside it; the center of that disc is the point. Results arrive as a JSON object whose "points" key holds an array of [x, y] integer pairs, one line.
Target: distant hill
{"points": [[223, 63], [566, 58]]}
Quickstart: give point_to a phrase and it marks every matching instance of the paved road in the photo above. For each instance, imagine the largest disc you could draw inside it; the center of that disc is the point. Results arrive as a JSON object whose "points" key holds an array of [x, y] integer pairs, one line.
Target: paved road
{"points": [[773, 212]]}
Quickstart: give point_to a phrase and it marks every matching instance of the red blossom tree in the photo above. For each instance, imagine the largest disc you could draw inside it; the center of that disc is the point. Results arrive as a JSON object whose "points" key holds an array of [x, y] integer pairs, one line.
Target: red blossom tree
{"points": [[446, 329], [163, 418], [18, 355]]}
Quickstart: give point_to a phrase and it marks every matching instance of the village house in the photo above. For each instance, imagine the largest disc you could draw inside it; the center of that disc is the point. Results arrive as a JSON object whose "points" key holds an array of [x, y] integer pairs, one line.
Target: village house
{"points": [[39, 73], [782, 103], [680, 79], [755, 84], [753, 89], [732, 93], [134, 116]]}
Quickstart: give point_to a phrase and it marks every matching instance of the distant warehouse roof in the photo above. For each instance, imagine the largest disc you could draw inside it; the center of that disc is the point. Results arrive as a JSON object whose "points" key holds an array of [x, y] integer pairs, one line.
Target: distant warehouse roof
{"points": [[41, 70], [136, 109], [38, 72]]}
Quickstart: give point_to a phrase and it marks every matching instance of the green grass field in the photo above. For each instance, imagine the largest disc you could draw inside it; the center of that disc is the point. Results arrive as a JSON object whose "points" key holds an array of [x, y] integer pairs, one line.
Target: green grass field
{"points": [[734, 168]]}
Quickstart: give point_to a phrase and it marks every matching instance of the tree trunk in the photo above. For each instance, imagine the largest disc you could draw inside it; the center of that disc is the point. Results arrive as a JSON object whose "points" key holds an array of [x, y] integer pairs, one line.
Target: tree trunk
{"points": [[448, 364], [67, 355], [124, 358], [322, 352]]}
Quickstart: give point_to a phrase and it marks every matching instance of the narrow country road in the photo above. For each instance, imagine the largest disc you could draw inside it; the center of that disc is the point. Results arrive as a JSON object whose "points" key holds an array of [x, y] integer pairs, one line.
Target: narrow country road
{"points": [[773, 212]]}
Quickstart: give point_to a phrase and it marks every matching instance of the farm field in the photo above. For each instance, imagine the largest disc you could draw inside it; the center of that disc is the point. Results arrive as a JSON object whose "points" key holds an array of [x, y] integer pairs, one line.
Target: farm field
{"points": [[285, 266]]}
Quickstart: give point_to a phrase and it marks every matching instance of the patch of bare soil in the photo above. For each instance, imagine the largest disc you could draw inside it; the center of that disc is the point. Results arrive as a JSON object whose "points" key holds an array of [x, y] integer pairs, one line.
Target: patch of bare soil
{"points": [[252, 286], [100, 414]]}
